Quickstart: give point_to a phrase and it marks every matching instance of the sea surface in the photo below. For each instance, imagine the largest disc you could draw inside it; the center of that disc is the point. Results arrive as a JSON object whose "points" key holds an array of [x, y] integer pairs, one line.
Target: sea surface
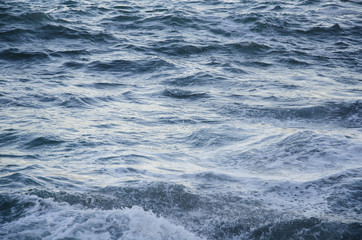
{"points": [[204, 119]]}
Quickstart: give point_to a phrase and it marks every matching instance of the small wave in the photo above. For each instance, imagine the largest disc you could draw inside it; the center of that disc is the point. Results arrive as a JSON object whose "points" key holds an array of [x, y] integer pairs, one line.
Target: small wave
{"points": [[104, 85], [294, 62], [127, 66], [184, 94], [208, 137], [37, 100], [74, 101], [70, 3], [131, 8], [73, 65], [129, 170], [18, 181], [249, 47], [211, 177], [247, 18], [175, 48], [53, 31], [69, 53], [8, 137], [126, 16], [14, 156], [35, 17], [335, 29], [18, 35], [175, 19], [14, 54], [310, 2], [269, 26], [177, 120], [10, 168], [356, 30], [41, 142], [256, 64], [27, 18], [179, 48]]}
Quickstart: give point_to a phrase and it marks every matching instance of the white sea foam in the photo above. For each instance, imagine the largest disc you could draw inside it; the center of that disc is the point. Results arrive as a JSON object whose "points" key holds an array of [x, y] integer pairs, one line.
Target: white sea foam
{"points": [[50, 220]]}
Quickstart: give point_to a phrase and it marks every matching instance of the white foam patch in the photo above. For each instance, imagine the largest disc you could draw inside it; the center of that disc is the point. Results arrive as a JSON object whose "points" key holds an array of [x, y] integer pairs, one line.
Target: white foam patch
{"points": [[49, 220]]}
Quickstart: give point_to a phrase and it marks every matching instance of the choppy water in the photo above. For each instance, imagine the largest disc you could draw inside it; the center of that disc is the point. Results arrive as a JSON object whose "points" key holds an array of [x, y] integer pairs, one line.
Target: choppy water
{"points": [[208, 119]]}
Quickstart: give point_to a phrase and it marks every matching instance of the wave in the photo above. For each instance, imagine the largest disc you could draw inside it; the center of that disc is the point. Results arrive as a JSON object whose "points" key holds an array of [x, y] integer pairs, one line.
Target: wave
{"points": [[31, 217]]}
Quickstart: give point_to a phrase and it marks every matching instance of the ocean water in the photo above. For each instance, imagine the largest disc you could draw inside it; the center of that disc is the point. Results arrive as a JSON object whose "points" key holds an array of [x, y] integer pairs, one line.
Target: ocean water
{"points": [[204, 119]]}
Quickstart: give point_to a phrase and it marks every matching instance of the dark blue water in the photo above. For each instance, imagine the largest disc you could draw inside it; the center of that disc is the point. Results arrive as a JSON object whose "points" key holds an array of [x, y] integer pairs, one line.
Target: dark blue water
{"points": [[208, 119]]}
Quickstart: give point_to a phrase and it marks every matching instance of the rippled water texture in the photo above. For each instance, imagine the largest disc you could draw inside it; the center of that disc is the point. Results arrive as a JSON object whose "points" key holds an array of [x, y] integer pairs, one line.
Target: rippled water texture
{"points": [[207, 119]]}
